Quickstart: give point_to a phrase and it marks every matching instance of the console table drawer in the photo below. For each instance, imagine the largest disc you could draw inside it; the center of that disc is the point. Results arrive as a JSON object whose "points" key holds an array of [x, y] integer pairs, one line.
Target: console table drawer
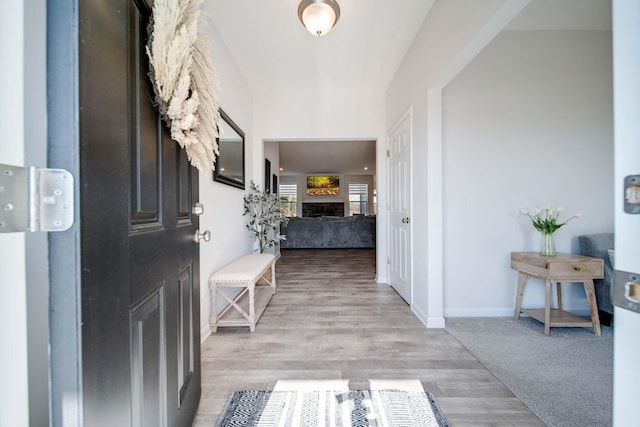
{"points": [[577, 269], [562, 267]]}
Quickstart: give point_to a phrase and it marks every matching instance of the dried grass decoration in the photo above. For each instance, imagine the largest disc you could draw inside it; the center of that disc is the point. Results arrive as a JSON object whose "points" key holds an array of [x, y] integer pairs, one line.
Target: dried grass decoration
{"points": [[184, 79]]}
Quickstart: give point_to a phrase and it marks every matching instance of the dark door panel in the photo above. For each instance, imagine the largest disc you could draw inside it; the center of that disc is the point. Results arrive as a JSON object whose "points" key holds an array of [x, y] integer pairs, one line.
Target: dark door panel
{"points": [[146, 134], [148, 363], [140, 280]]}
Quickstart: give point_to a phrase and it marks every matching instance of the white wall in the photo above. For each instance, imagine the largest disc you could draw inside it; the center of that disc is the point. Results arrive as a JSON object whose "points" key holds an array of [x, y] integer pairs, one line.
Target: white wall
{"points": [[333, 114], [528, 123], [14, 399], [24, 268], [223, 203], [451, 34], [626, 354]]}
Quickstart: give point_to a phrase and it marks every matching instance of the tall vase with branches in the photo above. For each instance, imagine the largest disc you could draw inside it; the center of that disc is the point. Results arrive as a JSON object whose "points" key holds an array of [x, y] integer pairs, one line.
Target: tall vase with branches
{"points": [[265, 217]]}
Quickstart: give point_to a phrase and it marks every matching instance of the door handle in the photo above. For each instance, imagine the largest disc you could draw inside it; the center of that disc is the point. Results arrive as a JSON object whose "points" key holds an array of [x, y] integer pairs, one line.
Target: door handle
{"points": [[206, 236], [405, 220]]}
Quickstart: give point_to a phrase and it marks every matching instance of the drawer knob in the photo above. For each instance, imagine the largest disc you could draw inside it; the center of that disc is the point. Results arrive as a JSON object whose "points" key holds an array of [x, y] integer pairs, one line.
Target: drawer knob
{"points": [[576, 268]]}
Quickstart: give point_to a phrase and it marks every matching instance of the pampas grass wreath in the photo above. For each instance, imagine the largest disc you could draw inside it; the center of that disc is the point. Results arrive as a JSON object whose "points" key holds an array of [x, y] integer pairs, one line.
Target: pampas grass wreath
{"points": [[184, 79]]}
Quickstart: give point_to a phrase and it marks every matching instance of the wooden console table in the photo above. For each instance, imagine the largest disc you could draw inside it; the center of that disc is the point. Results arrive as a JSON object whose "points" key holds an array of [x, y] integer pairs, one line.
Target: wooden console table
{"points": [[557, 269]]}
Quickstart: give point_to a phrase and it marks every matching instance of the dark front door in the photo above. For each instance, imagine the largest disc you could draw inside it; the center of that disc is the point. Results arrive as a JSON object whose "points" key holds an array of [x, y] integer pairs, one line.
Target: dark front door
{"points": [[139, 267]]}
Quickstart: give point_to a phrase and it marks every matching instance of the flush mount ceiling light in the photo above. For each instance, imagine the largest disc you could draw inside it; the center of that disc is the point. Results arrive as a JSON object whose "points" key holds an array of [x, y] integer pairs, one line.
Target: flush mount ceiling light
{"points": [[319, 16]]}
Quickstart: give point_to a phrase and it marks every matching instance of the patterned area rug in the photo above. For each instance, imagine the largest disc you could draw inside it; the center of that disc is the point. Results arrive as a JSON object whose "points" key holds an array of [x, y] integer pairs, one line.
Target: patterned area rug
{"points": [[388, 408]]}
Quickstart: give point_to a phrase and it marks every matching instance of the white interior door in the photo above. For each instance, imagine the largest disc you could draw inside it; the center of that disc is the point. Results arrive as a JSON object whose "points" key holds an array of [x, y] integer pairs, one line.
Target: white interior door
{"points": [[626, 66], [400, 207]]}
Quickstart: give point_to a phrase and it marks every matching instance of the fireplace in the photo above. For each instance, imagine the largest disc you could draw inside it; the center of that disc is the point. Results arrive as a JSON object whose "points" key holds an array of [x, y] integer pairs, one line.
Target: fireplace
{"points": [[322, 209]]}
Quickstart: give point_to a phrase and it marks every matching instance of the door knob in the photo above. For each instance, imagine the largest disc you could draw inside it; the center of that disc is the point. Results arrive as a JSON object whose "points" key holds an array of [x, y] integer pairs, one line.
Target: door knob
{"points": [[206, 236]]}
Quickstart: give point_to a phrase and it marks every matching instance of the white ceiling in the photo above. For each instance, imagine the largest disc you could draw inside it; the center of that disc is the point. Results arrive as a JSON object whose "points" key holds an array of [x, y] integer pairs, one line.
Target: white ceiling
{"points": [[363, 51], [328, 157], [564, 15], [275, 52]]}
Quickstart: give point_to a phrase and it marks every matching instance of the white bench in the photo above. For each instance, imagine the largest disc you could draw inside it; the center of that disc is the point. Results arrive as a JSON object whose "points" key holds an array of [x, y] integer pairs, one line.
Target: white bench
{"points": [[248, 305]]}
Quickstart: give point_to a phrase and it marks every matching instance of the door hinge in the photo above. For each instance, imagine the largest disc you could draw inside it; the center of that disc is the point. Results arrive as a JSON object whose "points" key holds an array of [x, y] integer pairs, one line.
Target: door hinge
{"points": [[388, 260], [388, 153], [33, 199]]}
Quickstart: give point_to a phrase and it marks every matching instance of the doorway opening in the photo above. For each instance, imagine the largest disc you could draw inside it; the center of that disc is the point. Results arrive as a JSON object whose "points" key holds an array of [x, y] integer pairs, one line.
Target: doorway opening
{"points": [[328, 189]]}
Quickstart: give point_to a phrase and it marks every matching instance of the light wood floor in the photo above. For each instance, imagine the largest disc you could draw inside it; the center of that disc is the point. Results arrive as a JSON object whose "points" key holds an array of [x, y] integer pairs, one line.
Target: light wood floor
{"points": [[330, 320]]}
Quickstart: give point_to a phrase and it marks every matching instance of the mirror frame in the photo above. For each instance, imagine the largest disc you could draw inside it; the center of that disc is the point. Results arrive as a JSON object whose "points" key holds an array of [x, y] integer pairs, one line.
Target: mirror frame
{"points": [[217, 174]]}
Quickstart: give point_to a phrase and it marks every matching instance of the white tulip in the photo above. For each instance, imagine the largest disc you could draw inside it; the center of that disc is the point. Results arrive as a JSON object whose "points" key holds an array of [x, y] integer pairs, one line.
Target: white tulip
{"points": [[537, 211], [578, 215], [560, 209], [524, 212]]}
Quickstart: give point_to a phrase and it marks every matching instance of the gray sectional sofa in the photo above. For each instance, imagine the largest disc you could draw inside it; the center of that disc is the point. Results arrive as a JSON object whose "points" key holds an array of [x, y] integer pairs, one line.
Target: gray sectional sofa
{"points": [[330, 232], [598, 246]]}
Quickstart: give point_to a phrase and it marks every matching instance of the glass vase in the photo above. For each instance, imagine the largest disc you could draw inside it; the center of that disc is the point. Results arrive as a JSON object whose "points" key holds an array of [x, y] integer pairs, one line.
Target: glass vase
{"points": [[547, 247]]}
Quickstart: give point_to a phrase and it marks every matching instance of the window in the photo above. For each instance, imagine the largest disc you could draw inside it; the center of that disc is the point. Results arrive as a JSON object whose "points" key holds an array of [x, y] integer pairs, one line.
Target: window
{"points": [[288, 198], [358, 198], [375, 201]]}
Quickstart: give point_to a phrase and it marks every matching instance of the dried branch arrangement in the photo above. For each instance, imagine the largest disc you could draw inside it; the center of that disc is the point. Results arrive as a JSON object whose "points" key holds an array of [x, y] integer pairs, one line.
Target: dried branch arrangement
{"points": [[184, 79]]}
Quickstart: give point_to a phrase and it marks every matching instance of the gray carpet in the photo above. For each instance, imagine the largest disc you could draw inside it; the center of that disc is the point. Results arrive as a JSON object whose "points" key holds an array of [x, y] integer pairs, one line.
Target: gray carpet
{"points": [[566, 378]]}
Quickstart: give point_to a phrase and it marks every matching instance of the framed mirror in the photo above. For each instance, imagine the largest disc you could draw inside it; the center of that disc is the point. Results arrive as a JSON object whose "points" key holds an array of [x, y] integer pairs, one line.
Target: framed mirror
{"points": [[230, 162]]}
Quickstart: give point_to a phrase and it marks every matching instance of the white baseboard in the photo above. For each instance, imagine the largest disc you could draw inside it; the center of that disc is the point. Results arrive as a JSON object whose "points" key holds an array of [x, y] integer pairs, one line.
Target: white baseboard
{"points": [[478, 312], [435, 323], [420, 315], [381, 280], [204, 334], [497, 312], [428, 322]]}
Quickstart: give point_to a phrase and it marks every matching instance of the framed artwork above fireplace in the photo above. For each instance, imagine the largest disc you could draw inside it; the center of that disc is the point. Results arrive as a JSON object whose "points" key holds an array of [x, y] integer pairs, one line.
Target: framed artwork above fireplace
{"points": [[323, 185]]}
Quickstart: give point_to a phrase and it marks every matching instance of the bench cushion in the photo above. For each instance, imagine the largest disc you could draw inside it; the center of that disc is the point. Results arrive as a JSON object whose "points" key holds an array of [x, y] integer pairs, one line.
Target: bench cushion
{"points": [[248, 268]]}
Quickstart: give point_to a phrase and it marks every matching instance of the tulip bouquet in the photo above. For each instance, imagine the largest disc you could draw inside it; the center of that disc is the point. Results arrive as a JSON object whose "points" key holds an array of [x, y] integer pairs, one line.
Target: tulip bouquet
{"points": [[547, 221]]}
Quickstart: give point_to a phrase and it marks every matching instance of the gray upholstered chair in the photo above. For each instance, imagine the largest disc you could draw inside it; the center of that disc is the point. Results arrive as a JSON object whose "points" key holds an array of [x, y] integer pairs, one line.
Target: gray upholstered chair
{"points": [[597, 246]]}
